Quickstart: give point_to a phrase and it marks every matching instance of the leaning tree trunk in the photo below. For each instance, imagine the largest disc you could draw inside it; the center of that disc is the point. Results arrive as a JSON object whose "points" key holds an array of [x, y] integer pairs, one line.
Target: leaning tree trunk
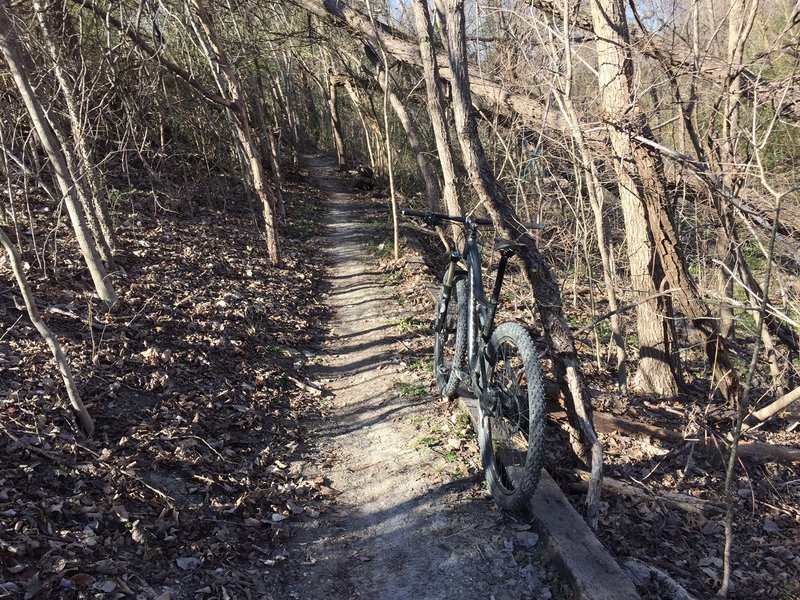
{"points": [[436, 107], [84, 420], [431, 189], [545, 288], [243, 133], [368, 127], [268, 146], [17, 65], [96, 207]]}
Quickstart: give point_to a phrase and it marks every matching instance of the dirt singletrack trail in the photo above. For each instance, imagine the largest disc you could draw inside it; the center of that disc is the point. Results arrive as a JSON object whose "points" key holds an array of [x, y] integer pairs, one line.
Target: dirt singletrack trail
{"points": [[396, 531]]}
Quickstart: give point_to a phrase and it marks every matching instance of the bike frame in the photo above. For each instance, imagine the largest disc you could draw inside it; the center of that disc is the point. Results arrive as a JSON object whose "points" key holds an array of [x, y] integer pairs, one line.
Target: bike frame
{"points": [[481, 309]]}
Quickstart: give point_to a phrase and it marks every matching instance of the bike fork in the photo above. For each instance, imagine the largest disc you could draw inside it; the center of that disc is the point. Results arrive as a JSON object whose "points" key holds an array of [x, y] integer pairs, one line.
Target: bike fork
{"points": [[447, 286]]}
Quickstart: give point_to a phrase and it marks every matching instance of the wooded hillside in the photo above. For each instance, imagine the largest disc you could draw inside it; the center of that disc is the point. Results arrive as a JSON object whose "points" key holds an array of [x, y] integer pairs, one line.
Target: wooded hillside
{"points": [[159, 233]]}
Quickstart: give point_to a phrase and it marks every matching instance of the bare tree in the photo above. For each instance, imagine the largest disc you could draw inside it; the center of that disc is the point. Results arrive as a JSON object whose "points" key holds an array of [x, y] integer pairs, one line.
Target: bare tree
{"points": [[84, 420], [436, 106], [654, 251], [18, 65], [85, 171], [244, 136]]}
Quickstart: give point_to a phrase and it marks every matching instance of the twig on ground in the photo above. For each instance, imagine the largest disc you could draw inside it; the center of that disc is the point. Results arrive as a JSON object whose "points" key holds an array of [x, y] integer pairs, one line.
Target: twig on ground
{"points": [[169, 500], [34, 449]]}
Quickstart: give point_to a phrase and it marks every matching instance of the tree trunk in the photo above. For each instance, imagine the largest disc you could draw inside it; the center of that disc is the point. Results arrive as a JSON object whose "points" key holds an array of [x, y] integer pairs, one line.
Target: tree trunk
{"points": [[84, 420], [436, 106], [367, 128], [658, 368], [431, 189], [243, 134], [17, 62], [646, 206], [99, 209], [290, 113], [269, 146], [546, 290], [336, 125]]}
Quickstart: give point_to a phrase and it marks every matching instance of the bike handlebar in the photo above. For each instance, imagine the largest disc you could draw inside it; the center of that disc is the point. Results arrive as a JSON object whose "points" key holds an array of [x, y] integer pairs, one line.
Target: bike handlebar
{"points": [[430, 216]]}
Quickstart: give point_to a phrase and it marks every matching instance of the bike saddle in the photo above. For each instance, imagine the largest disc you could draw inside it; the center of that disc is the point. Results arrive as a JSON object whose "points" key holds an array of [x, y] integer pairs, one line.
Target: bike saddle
{"points": [[507, 246]]}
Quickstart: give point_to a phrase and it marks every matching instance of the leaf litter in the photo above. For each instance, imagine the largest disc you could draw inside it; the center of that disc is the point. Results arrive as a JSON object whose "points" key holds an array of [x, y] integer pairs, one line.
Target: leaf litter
{"points": [[189, 486]]}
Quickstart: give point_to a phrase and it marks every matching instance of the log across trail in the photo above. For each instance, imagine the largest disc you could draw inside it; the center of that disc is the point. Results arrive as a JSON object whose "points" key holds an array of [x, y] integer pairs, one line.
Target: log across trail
{"points": [[398, 528]]}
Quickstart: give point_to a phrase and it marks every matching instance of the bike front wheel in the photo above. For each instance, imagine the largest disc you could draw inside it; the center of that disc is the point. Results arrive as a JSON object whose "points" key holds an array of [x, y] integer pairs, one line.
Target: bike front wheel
{"points": [[512, 432], [450, 338]]}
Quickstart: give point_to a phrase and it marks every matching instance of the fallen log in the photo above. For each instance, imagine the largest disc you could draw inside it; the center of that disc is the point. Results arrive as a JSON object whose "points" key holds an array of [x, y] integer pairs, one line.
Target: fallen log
{"points": [[669, 499], [609, 424]]}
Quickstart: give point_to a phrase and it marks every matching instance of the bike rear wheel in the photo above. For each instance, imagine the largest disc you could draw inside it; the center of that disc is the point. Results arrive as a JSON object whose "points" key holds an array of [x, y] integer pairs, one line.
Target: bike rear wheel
{"points": [[512, 433], [450, 338]]}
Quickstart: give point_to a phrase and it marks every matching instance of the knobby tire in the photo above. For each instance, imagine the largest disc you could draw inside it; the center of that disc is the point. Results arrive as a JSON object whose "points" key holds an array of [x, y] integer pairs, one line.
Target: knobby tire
{"points": [[512, 439], [450, 342]]}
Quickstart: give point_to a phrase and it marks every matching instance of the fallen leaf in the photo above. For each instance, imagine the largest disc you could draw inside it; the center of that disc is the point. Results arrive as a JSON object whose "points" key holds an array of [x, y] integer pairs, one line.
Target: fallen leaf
{"points": [[771, 526], [527, 539], [188, 562], [120, 511], [137, 533], [106, 586], [81, 579]]}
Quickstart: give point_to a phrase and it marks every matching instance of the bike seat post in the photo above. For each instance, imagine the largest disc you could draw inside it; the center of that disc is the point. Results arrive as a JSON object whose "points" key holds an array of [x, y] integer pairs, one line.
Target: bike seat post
{"points": [[501, 271]]}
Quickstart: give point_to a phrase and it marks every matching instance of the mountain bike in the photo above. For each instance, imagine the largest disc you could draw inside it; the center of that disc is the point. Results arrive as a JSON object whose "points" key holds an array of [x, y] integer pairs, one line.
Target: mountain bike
{"points": [[498, 364]]}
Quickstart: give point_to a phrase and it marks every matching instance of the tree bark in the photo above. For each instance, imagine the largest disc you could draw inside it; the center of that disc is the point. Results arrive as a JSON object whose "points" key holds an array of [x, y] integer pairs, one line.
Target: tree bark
{"points": [[658, 368], [17, 64], [546, 290], [644, 195]]}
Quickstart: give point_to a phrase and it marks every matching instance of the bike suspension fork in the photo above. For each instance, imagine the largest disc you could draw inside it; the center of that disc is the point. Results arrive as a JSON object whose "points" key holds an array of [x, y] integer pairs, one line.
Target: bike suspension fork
{"points": [[447, 286]]}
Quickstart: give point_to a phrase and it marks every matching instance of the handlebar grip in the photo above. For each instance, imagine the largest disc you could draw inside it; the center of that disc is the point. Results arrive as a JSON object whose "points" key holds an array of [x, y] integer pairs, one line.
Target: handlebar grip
{"points": [[416, 213]]}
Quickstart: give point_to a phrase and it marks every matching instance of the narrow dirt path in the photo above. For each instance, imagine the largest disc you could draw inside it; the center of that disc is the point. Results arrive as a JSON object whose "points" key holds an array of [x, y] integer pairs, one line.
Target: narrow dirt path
{"points": [[397, 532]]}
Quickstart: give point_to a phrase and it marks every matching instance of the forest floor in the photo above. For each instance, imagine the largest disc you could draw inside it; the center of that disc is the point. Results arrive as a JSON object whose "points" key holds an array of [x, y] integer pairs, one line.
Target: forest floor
{"points": [[261, 433], [274, 433]]}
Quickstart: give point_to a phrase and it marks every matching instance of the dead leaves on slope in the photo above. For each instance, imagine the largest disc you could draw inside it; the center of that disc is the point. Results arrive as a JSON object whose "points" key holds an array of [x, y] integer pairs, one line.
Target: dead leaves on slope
{"points": [[192, 483]]}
